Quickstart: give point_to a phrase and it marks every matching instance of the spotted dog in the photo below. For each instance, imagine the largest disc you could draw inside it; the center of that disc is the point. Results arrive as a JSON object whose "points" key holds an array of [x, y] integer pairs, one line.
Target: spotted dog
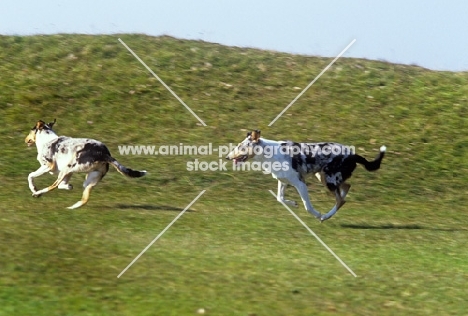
{"points": [[332, 163], [65, 155]]}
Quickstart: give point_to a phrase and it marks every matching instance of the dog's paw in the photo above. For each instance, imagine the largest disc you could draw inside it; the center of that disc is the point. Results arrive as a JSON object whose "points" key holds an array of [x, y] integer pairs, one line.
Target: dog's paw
{"points": [[36, 195], [66, 187], [291, 203]]}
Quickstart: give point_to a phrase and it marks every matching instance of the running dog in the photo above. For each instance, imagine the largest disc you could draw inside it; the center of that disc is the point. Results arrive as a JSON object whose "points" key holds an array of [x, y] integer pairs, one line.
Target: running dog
{"points": [[65, 155], [290, 162]]}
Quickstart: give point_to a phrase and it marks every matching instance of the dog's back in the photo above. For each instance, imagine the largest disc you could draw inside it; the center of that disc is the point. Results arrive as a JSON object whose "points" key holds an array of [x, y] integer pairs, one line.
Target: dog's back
{"points": [[328, 158], [314, 157], [75, 154]]}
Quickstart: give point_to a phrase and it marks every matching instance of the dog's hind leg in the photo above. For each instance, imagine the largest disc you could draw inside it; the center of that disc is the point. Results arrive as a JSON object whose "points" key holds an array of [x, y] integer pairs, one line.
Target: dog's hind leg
{"points": [[301, 188], [340, 194], [339, 203], [280, 197], [64, 185], [344, 188], [92, 178], [318, 176]]}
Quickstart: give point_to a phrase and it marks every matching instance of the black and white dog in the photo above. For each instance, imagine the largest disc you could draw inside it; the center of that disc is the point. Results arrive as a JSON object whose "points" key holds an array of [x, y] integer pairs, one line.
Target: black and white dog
{"points": [[290, 162], [65, 155]]}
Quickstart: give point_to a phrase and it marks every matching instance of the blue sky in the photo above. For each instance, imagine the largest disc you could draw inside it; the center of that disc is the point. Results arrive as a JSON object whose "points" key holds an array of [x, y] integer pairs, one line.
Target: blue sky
{"points": [[431, 34]]}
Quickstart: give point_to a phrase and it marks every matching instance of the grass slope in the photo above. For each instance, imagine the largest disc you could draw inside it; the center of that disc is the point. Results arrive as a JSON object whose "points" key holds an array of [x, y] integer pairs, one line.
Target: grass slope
{"points": [[236, 251]]}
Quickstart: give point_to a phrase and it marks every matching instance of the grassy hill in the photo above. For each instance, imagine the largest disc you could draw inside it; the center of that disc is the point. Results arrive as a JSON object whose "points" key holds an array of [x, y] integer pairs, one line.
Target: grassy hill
{"points": [[236, 251]]}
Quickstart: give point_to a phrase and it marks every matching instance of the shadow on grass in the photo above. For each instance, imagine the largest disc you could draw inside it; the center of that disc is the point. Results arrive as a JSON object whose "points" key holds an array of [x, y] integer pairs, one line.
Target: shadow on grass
{"points": [[150, 207], [397, 226], [382, 226]]}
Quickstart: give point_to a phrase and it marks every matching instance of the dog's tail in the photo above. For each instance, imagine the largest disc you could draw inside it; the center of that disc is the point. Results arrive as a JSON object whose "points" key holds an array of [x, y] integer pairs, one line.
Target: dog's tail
{"points": [[374, 164], [124, 170]]}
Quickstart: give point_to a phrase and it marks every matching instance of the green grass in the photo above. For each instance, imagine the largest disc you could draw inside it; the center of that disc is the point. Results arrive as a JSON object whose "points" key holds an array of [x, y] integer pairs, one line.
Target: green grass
{"points": [[236, 251]]}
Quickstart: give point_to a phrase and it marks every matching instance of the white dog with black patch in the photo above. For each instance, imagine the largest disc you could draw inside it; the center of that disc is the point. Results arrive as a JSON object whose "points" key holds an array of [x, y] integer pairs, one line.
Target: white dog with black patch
{"points": [[65, 156], [332, 163]]}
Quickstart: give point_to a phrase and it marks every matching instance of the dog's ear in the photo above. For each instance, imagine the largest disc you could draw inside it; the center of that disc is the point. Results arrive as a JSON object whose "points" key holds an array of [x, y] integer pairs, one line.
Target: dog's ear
{"points": [[52, 123], [255, 136], [39, 125]]}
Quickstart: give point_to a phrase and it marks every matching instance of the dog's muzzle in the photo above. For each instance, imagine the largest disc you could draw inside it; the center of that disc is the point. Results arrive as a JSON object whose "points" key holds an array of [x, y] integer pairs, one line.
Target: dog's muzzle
{"points": [[237, 160], [29, 142]]}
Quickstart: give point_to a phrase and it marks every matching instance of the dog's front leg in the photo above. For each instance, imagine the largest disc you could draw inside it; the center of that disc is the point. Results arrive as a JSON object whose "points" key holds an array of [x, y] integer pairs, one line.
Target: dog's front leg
{"points": [[39, 172], [301, 188], [54, 185], [280, 197]]}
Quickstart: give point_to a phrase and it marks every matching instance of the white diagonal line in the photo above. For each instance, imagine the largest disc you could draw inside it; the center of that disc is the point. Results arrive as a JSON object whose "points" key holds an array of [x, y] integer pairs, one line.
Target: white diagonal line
{"points": [[162, 82], [161, 233], [313, 81], [317, 237]]}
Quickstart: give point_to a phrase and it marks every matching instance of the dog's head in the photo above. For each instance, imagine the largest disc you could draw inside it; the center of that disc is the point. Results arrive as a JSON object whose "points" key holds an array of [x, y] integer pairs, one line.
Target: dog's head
{"points": [[39, 128], [245, 149]]}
